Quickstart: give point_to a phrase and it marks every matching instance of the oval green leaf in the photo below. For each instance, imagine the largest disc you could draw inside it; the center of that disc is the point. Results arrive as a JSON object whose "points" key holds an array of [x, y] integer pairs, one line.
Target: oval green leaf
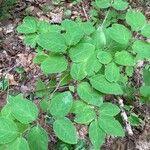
{"points": [[88, 94], [142, 49], [99, 38], [24, 110], [61, 104], [103, 3], [120, 33], [101, 84], [109, 109], [146, 31], [65, 131], [120, 5], [78, 71], [111, 126], [96, 135], [29, 25], [84, 113], [54, 64], [112, 72], [37, 138], [8, 131], [81, 52], [135, 19], [124, 58], [93, 65], [19, 144], [52, 41], [104, 57]]}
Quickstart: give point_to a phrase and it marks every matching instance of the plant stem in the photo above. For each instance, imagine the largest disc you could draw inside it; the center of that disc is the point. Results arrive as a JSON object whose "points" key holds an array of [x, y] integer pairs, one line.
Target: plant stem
{"points": [[102, 25]]}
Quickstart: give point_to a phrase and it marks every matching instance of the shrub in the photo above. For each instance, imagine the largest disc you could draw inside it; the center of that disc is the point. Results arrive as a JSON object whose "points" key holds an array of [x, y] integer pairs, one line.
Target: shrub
{"points": [[92, 62]]}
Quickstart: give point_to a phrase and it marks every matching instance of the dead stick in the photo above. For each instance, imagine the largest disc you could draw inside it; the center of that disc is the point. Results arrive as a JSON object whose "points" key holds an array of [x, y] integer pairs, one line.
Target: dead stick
{"points": [[85, 14], [124, 116]]}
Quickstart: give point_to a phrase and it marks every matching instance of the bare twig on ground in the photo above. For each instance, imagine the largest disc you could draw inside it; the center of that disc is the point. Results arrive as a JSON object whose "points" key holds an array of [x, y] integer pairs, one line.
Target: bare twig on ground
{"points": [[16, 65], [85, 14], [124, 117]]}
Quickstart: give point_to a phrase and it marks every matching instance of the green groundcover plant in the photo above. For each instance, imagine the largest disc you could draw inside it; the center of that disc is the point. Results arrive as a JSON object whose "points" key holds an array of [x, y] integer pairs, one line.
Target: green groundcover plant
{"points": [[91, 62]]}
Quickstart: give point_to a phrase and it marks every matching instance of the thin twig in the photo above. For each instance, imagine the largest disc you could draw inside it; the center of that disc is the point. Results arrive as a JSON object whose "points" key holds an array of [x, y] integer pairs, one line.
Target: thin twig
{"points": [[57, 87], [16, 65], [49, 88], [85, 14], [101, 26], [124, 116]]}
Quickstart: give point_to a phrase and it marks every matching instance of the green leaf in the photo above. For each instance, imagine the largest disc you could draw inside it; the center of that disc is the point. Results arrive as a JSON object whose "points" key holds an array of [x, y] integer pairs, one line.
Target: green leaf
{"points": [[7, 112], [146, 75], [61, 104], [120, 33], [88, 94], [52, 41], [54, 64], [124, 58], [111, 126], [85, 116], [43, 26], [145, 91], [65, 78], [104, 57], [45, 105], [109, 109], [24, 110], [81, 52], [135, 19], [31, 40], [73, 32], [146, 31], [84, 113], [55, 28], [72, 38], [134, 119], [39, 58], [71, 88], [112, 72], [120, 5], [129, 71], [22, 127], [37, 138], [19, 144], [8, 131], [96, 135], [65, 131], [77, 106], [103, 3], [40, 88], [29, 25], [142, 49], [101, 84], [99, 38], [68, 24], [87, 27], [78, 71], [93, 65]]}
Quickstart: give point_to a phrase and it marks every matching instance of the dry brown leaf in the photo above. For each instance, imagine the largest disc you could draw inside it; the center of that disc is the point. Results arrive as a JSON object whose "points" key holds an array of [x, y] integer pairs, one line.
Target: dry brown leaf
{"points": [[11, 79]]}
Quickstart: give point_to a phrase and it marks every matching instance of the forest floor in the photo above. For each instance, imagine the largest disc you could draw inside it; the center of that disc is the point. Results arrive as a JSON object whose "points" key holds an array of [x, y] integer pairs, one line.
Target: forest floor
{"points": [[16, 62]]}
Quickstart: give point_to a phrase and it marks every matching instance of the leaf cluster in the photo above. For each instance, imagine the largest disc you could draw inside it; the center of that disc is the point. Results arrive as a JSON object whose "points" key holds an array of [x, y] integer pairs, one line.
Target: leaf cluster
{"points": [[100, 60]]}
